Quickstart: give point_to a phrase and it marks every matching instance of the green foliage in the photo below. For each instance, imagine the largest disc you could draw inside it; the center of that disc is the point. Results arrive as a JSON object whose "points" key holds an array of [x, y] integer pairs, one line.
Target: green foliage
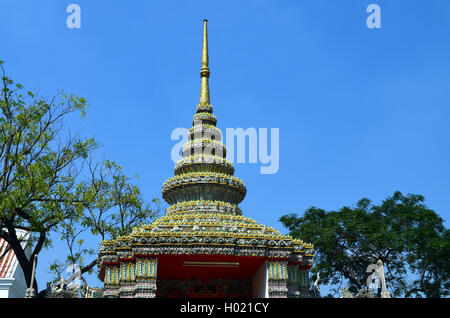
{"points": [[111, 207], [38, 170], [402, 232], [45, 186]]}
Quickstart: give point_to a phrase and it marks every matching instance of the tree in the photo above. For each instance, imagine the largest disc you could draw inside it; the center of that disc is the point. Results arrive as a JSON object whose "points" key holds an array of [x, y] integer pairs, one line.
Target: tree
{"points": [[402, 232], [45, 185], [113, 206], [37, 169]]}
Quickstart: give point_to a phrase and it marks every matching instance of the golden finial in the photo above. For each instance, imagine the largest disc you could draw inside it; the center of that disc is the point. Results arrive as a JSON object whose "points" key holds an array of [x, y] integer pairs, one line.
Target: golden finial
{"points": [[204, 72]]}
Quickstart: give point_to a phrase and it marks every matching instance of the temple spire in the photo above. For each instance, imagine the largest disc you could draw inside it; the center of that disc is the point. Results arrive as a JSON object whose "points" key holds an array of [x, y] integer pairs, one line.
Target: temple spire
{"points": [[204, 72]]}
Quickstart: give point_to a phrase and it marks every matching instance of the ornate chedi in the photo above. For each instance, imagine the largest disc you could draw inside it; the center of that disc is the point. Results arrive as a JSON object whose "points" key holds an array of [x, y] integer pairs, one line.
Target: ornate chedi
{"points": [[204, 246]]}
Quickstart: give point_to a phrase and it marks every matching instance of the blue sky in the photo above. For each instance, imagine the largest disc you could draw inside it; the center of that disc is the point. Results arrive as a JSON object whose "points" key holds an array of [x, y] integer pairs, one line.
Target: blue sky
{"points": [[361, 112]]}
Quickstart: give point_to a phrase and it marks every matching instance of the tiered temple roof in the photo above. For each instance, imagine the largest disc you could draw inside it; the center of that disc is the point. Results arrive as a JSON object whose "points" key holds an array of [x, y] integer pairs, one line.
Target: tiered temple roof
{"points": [[204, 217]]}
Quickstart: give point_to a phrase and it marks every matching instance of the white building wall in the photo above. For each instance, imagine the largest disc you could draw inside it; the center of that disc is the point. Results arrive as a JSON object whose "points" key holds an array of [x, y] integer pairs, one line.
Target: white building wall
{"points": [[11, 288], [5, 286], [260, 283], [12, 282]]}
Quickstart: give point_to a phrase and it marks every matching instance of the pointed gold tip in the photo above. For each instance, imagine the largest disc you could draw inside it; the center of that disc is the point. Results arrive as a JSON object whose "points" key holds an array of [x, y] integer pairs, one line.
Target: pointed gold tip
{"points": [[204, 71], [205, 60]]}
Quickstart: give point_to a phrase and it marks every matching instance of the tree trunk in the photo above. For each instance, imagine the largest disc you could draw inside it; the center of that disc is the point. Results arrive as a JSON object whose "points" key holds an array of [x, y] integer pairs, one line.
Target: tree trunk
{"points": [[84, 269], [25, 263]]}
